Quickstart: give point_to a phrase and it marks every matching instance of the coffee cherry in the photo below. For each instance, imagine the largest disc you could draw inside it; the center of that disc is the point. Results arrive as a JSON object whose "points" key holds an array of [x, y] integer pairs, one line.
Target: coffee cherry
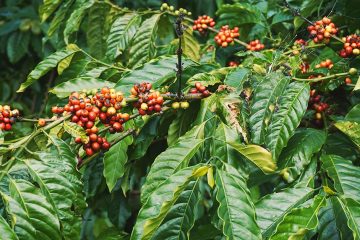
{"points": [[226, 36], [184, 105], [175, 105], [325, 64], [78, 140], [233, 64], [95, 146], [352, 71], [89, 152], [348, 80], [255, 45], [105, 146], [41, 122], [202, 23], [7, 117]]}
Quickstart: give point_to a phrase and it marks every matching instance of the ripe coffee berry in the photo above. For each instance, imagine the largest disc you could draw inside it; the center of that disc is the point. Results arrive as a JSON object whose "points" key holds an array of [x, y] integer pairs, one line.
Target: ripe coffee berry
{"points": [[351, 46], [300, 42], [348, 80], [7, 117], [304, 67], [202, 23], [226, 36], [149, 101], [322, 30], [199, 88], [316, 104], [41, 122], [325, 64], [233, 64], [255, 45]]}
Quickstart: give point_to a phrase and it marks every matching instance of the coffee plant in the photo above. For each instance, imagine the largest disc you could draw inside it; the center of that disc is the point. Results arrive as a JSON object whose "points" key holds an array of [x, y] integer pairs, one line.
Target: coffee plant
{"points": [[182, 122]]}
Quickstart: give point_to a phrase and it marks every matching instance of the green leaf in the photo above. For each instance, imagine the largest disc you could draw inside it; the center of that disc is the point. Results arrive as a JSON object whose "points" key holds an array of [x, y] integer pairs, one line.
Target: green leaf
{"points": [[143, 46], [40, 212], [265, 99], [190, 46], [114, 162], [352, 212], [95, 34], [162, 199], [121, 34], [350, 129], [78, 84], [75, 19], [238, 14], [19, 218], [17, 45], [45, 66], [236, 209], [75, 131], [271, 209], [292, 107], [210, 78], [237, 77], [181, 217], [257, 155], [357, 85], [344, 174], [7, 233], [354, 114], [180, 125], [299, 221], [64, 64], [168, 162], [59, 17], [158, 72], [332, 221], [299, 150], [47, 8]]}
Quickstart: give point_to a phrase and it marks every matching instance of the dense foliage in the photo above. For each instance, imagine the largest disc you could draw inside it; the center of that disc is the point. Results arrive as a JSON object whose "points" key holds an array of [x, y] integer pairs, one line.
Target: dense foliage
{"points": [[255, 135]]}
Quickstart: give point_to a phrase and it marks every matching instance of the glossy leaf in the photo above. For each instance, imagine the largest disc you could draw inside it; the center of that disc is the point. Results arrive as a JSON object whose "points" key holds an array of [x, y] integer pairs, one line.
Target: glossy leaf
{"points": [[162, 199], [47, 8], [114, 162], [344, 174], [181, 217], [41, 214], [158, 71], [168, 162], [297, 154], [292, 106], [236, 209], [65, 89], [271, 209], [354, 114], [210, 78], [7, 233], [121, 34], [190, 46], [352, 212], [45, 66], [299, 221], [351, 129], [257, 155], [143, 47], [76, 131], [265, 99]]}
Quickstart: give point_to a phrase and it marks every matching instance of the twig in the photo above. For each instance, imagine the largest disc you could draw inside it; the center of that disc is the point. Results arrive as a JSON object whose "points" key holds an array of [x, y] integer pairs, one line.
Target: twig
{"points": [[296, 13], [321, 78], [179, 29]]}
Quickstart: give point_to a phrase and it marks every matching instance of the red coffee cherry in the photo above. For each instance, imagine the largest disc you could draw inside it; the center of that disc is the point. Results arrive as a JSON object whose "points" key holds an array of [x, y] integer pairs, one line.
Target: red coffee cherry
{"points": [[202, 23], [226, 36]]}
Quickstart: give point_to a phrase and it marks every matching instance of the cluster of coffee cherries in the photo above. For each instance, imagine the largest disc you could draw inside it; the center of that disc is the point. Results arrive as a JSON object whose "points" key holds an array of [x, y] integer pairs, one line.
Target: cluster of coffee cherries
{"points": [[7, 117], [166, 7], [233, 64], [94, 144], [322, 30], [226, 36], [304, 67], [255, 45], [149, 101], [325, 64], [316, 104], [300, 42], [199, 88], [351, 46], [202, 23]]}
